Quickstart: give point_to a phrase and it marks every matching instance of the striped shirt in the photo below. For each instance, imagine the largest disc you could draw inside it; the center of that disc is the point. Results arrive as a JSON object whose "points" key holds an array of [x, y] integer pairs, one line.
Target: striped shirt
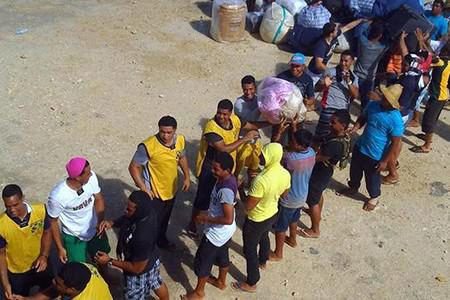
{"points": [[440, 80]]}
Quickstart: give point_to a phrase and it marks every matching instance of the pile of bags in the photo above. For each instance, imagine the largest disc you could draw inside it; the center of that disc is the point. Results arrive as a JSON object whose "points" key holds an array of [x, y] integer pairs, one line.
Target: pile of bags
{"points": [[278, 98]]}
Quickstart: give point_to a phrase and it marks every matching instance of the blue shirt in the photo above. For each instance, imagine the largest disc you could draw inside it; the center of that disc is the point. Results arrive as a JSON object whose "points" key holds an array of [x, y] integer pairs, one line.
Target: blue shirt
{"points": [[440, 25], [300, 165], [381, 126]]}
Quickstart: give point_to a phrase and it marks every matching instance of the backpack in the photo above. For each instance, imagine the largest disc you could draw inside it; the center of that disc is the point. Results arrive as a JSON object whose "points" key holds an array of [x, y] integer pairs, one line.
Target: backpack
{"points": [[346, 142]]}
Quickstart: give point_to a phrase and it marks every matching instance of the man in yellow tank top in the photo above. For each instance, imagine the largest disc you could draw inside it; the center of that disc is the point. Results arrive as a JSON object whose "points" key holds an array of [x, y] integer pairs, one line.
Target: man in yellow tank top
{"points": [[220, 134], [154, 169], [76, 281], [25, 240]]}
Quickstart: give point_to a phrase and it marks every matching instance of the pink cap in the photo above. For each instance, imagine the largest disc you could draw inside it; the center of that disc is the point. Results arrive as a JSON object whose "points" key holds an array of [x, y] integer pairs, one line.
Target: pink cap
{"points": [[75, 166]]}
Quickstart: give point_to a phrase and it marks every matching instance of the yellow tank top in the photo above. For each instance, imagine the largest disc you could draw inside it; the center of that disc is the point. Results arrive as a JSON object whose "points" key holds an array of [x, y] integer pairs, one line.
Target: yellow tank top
{"points": [[96, 288], [163, 166], [229, 136], [23, 245]]}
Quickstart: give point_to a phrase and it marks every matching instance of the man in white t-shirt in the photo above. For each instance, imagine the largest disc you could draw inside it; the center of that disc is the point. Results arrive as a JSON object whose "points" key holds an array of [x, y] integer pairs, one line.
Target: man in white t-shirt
{"points": [[220, 227], [78, 204]]}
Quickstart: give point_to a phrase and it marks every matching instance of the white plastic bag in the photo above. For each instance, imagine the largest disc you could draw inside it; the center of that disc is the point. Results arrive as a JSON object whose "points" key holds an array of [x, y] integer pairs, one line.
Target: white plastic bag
{"points": [[279, 98], [276, 23], [342, 44], [228, 20], [293, 6]]}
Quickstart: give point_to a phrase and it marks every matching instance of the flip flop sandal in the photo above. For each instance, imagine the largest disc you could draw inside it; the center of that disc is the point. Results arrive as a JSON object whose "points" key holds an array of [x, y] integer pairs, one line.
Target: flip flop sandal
{"points": [[236, 286], [301, 232], [389, 182], [419, 149]]}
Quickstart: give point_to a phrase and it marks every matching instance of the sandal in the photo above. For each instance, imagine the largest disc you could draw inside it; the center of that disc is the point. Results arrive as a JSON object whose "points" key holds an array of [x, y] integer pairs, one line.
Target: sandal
{"points": [[370, 204], [419, 149], [386, 181], [236, 286]]}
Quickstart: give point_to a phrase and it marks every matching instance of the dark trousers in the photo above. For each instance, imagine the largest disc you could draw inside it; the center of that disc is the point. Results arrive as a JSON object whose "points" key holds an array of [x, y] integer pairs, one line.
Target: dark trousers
{"points": [[21, 283], [365, 87], [255, 233], [163, 210], [362, 164]]}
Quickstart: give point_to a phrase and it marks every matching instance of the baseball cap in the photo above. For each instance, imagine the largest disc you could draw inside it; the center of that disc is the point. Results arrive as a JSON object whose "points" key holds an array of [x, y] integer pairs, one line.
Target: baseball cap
{"points": [[75, 166], [297, 59]]}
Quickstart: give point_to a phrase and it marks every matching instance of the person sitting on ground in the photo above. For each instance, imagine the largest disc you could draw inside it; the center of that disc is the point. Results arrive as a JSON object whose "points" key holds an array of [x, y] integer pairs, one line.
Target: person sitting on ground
{"points": [[296, 74], [262, 207], [378, 145], [77, 281], [299, 160], [220, 134], [370, 52], [246, 108], [439, 95], [340, 87], [439, 34], [154, 169], [25, 240], [308, 26], [323, 48], [331, 152], [137, 249], [220, 226]]}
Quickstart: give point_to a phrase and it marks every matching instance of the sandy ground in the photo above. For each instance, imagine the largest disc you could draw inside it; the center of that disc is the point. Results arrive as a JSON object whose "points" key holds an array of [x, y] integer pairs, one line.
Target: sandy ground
{"points": [[93, 78]]}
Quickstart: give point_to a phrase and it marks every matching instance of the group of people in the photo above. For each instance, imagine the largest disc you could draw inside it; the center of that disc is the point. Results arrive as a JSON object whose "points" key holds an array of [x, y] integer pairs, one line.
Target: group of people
{"points": [[274, 182]]}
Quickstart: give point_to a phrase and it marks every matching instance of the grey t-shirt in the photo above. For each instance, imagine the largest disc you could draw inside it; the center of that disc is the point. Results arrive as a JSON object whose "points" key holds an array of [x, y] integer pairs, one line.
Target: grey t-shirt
{"points": [[339, 93], [247, 111]]}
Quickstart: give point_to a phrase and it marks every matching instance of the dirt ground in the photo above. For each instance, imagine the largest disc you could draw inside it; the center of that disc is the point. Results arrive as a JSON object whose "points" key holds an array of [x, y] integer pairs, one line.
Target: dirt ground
{"points": [[94, 77]]}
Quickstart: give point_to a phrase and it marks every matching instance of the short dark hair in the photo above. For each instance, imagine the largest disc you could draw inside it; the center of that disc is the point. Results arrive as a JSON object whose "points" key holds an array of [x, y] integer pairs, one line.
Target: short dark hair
{"points": [[248, 79], [440, 2], [348, 53], [167, 121], [225, 160], [225, 104], [343, 116], [376, 29], [12, 190], [75, 275], [303, 137], [328, 28]]}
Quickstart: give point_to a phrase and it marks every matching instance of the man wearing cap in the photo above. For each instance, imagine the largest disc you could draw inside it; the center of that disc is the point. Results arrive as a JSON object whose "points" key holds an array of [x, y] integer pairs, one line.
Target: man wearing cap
{"points": [[378, 145], [25, 241], [296, 74], [78, 204]]}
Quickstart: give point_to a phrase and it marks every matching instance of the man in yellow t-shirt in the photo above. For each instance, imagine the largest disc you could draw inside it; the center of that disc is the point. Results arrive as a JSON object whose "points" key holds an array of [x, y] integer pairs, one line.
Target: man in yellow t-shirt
{"points": [[25, 240], [262, 207], [220, 134], [76, 281], [154, 169]]}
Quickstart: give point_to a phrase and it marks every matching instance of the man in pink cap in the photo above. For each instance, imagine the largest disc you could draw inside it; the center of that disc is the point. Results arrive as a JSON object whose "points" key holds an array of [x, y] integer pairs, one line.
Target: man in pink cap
{"points": [[78, 204]]}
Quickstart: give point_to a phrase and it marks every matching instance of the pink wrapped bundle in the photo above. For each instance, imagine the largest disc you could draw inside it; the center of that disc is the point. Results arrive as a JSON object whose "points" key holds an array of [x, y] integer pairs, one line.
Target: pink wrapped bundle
{"points": [[279, 98]]}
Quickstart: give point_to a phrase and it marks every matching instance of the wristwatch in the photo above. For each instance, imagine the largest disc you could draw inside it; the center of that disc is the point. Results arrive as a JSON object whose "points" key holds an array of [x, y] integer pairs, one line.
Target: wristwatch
{"points": [[110, 262]]}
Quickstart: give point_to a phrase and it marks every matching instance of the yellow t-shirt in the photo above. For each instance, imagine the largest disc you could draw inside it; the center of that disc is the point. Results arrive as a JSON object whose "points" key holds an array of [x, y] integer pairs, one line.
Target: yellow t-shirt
{"points": [[23, 245], [269, 184], [96, 287], [163, 166], [229, 136]]}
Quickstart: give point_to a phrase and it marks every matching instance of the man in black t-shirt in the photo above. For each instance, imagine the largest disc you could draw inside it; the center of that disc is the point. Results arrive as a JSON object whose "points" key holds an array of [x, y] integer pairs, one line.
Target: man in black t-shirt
{"points": [[136, 248], [330, 153], [303, 81]]}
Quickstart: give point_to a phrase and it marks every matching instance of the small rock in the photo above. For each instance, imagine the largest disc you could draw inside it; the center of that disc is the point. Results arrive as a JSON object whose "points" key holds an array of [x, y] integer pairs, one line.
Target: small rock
{"points": [[445, 251], [441, 278], [133, 31], [21, 106], [380, 244], [23, 56], [403, 250], [313, 251], [293, 294], [438, 189], [444, 241], [161, 96], [285, 283]]}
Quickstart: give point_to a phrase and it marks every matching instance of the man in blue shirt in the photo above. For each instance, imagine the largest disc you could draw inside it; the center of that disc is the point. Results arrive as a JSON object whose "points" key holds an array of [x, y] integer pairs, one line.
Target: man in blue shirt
{"points": [[378, 145], [440, 24]]}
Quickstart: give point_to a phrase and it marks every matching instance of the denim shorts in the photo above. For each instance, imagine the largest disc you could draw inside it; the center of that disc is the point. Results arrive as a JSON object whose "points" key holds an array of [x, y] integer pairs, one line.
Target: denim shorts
{"points": [[285, 217]]}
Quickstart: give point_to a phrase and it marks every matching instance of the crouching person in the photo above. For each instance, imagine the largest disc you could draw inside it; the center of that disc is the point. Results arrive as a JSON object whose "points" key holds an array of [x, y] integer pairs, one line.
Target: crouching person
{"points": [[136, 247]]}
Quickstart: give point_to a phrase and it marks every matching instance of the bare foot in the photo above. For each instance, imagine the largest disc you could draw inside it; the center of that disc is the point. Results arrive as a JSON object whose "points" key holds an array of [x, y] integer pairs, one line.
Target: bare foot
{"points": [[262, 266], [215, 282], [274, 257], [193, 296], [291, 242], [243, 287], [413, 123], [308, 233]]}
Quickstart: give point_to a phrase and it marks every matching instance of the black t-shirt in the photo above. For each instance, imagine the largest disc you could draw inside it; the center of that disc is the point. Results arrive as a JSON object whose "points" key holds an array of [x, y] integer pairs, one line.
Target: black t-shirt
{"points": [[140, 244], [304, 82], [322, 50], [322, 172]]}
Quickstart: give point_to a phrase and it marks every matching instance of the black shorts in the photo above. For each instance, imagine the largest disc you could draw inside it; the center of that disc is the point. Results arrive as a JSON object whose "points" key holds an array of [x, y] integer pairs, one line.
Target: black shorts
{"points": [[208, 255], [206, 182], [320, 178], [431, 115], [21, 283]]}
